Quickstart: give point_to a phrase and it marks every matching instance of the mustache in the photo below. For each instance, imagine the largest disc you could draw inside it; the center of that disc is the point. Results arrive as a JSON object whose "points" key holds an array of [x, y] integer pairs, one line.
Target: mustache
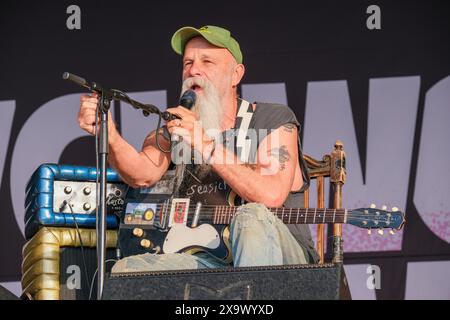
{"points": [[192, 83]]}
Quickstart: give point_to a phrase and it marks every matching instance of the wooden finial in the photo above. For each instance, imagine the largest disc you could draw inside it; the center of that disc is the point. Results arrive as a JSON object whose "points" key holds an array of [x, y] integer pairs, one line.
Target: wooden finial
{"points": [[338, 170], [338, 145]]}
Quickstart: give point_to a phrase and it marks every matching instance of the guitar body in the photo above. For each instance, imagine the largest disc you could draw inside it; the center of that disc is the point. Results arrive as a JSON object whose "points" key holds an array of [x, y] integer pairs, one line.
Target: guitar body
{"points": [[204, 238], [213, 239], [148, 226]]}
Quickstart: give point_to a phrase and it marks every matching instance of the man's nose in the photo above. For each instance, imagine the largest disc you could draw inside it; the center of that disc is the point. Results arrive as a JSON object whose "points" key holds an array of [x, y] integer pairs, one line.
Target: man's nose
{"points": [[195, 69]]}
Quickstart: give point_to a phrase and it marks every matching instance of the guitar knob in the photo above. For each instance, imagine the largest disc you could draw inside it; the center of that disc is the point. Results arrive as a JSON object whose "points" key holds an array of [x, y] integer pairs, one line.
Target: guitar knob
{"points": [[394, 209], [67, 190], [380, 232], [145, 243], [383, 207], [392, 231], [87, 191], [86, 206], [138, 232], [373, 206], [369, 232]]}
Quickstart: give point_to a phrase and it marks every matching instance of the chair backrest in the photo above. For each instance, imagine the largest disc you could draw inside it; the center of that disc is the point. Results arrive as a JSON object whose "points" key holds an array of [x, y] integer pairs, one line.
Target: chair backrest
{"points": [[333, 166]]}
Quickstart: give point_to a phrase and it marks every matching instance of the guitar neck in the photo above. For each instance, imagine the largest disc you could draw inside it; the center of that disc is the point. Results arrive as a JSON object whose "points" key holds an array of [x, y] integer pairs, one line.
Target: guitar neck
{"points": [[224, 214]]}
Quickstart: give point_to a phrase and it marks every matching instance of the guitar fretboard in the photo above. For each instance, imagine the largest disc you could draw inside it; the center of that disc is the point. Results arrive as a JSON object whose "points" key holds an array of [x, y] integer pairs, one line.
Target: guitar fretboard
{"points": [[224, 214]]}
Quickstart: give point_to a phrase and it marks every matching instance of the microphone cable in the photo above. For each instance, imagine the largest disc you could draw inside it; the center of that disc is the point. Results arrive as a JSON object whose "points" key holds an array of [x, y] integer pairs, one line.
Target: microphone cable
{"points": [[146, 114]]}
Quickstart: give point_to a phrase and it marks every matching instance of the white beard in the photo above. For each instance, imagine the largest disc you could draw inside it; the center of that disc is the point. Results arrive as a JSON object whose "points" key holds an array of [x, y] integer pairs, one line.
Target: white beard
{"points": [[209, 111], [208, 108]]}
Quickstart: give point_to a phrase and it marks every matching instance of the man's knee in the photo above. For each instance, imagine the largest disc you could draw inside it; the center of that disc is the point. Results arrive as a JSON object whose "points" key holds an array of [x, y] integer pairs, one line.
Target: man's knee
{"points": [[252, 215]]}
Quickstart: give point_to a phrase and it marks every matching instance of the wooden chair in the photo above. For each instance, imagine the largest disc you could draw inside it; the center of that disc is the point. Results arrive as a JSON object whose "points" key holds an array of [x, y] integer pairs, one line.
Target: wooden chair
{"points": [[333, 166]]}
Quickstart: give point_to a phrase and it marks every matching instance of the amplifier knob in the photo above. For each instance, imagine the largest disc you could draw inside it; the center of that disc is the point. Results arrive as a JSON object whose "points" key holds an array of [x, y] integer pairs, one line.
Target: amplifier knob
{"points": [[138, 232], [67, 190], [145, 243], [87, 206], [87, 191]]}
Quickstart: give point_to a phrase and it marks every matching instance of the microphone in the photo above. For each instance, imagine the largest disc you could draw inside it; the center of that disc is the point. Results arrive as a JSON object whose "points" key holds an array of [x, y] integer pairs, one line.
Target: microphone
{"points": [[78, 80], [187, 101]]}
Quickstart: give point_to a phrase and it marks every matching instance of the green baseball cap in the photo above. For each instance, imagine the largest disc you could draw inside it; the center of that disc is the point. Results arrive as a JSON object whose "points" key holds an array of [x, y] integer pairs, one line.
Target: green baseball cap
{"points": [[217, 36]]}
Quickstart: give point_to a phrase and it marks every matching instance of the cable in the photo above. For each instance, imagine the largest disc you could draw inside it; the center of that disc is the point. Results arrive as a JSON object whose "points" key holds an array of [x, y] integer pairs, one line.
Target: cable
{"points": [[157, 138], [146, 113], [93, 278], [130, 101], [81, 241]]}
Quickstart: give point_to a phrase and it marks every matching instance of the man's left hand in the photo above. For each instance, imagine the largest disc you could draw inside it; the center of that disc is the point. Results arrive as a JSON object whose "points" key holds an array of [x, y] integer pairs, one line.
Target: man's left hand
{"points": [[189, 128]]}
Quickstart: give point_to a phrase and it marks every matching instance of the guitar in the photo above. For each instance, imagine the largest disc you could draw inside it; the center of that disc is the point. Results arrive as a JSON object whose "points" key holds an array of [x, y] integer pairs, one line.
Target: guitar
{"points": [[174, 225]]}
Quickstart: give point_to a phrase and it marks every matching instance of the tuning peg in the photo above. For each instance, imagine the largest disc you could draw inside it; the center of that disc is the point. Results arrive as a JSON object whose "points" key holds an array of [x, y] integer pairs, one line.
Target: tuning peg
{"points": [[380, 232], [392, 231], [394, 209], [383, 207], [369, 232], [373, 206]]}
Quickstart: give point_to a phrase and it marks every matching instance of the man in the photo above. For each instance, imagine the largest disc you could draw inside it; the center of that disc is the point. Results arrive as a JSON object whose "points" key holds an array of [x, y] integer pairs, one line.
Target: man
{"points": [[263, 170]]}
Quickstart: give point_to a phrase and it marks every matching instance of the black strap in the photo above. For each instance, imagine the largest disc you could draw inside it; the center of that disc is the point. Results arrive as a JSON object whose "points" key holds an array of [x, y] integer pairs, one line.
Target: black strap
{"points": [[303, 167]]}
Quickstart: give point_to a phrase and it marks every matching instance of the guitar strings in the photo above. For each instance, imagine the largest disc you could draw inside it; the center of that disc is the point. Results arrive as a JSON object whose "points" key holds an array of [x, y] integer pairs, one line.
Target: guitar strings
{"points": [[308, 220], [210, 211]]}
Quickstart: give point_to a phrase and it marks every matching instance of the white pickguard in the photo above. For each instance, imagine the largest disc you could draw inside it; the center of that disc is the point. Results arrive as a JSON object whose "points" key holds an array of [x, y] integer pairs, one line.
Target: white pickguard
{"points": [[181, 236]]}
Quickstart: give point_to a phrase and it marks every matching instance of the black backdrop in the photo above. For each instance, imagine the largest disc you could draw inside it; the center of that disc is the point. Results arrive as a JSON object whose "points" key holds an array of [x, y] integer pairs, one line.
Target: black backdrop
{"points": [[126, 44]]}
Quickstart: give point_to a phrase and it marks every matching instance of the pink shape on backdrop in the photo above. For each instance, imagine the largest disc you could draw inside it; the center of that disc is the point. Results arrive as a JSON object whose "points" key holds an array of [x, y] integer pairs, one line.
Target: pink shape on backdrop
{"points": [[439, 223]]}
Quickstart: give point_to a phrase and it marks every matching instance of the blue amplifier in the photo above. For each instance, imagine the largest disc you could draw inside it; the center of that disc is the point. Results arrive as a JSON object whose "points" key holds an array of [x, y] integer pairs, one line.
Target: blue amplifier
{"points": [[65, 195]]}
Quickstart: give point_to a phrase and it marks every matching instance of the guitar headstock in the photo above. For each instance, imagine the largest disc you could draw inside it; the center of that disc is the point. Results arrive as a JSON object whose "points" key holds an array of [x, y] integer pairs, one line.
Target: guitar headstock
{"points": [[377, 218]]}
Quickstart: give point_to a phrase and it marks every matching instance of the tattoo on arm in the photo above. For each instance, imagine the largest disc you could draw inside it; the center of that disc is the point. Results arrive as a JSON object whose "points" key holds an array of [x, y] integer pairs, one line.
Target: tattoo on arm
{"points": [[289, 127], [282, 155]]}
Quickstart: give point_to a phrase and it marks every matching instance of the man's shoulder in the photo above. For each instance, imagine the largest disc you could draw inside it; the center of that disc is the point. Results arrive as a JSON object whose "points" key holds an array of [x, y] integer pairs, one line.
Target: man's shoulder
{"points": [[272, 115], [272, 106]]}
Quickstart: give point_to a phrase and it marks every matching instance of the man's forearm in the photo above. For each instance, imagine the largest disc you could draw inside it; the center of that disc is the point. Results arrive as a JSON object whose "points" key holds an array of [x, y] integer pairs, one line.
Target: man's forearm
{"points": [[133, 166], [248, 180]]}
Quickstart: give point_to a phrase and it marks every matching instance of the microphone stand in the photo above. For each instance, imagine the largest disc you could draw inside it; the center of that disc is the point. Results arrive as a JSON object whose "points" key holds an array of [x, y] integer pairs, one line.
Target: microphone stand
{"points": [[103, 106], [104, 103]]}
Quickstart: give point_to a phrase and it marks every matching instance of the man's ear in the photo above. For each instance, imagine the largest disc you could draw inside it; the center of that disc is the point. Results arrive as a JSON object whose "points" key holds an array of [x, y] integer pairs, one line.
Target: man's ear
{"points": [[238, 73]]}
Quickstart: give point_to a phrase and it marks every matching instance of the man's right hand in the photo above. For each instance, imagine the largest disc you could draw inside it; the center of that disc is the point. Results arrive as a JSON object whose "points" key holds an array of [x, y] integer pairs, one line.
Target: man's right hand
{"points": [[88, 114], [136, 168]]}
